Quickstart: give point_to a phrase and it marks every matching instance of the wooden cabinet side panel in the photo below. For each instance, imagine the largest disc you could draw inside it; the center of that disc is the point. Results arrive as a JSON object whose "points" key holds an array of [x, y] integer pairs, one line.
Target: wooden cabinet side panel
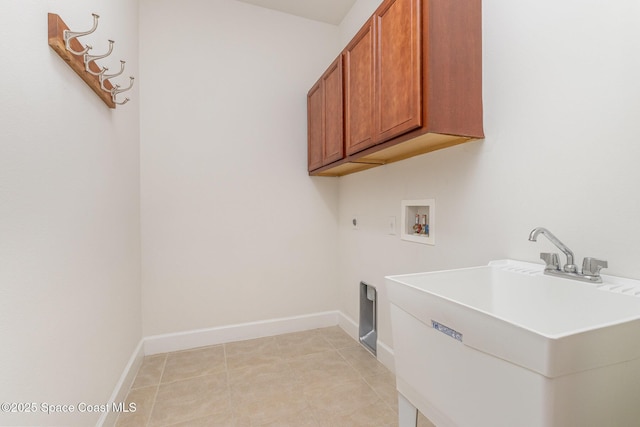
{"points": [[454, 67], [315, 119], [359, 90], [398, 68], [333, 110]]}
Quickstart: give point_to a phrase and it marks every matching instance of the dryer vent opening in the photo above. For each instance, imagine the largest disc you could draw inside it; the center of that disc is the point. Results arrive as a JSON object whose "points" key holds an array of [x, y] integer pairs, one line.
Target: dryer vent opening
{"points": [[368, 317]]}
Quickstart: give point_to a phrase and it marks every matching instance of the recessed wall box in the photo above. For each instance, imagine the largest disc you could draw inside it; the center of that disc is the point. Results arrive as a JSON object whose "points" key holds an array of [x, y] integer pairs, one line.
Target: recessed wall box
{"points": [[418, 221], [368, 317]]}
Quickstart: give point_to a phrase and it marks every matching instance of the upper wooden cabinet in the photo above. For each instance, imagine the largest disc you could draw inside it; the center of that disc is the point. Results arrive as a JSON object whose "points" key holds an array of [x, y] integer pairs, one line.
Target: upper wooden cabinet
{"points": [[398, 90], [315, 126], [359, 84], [325, 118], [383, 96], [412, 84]]}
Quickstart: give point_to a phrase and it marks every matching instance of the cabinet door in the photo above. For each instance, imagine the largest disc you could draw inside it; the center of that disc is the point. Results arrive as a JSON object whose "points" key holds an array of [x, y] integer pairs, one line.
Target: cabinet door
{"points": [[359, 90], [333, 148], [325, 130], [315, 131], [398, 68]]}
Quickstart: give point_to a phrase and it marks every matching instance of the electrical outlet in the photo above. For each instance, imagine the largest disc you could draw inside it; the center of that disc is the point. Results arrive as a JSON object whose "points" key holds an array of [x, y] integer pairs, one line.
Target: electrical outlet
{"points": [[392, 225]]}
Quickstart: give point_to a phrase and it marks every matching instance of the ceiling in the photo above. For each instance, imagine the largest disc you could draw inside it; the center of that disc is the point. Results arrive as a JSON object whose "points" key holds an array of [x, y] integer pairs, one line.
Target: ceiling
{"points": [[329, 11]]}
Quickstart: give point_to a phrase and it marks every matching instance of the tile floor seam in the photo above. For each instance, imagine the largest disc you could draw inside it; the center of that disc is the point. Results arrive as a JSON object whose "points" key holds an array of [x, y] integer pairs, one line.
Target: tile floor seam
{"points": [[193, 418], [226, 371], [224, 354], [307, 400], [382, 399], [155, 396], [153, 405]]}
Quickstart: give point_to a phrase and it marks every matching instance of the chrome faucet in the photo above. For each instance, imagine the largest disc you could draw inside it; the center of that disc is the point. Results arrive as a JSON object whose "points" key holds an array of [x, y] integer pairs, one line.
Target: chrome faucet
{"points": [[569, 267], [590, 266]]}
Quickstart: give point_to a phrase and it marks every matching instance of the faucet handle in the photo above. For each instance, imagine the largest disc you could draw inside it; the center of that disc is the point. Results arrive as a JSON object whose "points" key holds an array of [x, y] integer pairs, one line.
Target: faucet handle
{"points": [[552, 261], [592, 266]]}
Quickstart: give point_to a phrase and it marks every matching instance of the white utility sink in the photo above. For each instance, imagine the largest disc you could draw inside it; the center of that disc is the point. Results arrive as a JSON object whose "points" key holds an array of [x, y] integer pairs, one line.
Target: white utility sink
{"points": [[505, 345]]}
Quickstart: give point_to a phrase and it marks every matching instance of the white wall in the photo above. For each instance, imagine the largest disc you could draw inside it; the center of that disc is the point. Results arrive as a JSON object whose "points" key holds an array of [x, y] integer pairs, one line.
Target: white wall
{"points": [[69, 215], [355, 18], [562, 101], [233, 229]]}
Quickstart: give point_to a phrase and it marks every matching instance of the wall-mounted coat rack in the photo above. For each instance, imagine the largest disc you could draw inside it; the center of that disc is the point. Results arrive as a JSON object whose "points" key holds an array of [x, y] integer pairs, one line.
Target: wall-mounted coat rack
{"points": [[65, 43]]}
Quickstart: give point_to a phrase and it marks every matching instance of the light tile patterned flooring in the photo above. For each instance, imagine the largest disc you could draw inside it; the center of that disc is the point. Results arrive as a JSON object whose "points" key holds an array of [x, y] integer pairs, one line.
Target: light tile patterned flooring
{"points": [[316, 378]]}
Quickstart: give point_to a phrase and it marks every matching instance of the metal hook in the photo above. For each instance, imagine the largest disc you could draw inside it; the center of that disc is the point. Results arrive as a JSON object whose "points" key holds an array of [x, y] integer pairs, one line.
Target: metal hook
{"points": [[105, 77], [123, 102], [69, 35], [88, 58], [100, 73], [116, 89]]}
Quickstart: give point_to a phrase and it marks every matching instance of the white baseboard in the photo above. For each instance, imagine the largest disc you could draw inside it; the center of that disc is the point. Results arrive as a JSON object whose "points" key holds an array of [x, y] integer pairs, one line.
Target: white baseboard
{"points": [[124, 384], [348, 325], [385, 356], [240, 332], [384, 353]]}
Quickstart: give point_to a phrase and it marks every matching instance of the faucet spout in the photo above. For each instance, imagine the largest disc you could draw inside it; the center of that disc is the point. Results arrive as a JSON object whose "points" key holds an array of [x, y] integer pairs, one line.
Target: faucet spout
{"points": [[569, 266]]}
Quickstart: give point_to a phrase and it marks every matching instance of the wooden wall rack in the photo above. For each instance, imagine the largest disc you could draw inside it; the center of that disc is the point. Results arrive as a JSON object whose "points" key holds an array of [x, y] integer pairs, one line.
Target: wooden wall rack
{"points": [[57, 28]]}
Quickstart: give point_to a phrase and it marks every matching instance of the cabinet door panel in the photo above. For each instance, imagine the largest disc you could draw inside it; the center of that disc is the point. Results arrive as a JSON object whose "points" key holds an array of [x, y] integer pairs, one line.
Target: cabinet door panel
{"points": [[315, 119], [359, 90], [398, 69], [333, 127]]}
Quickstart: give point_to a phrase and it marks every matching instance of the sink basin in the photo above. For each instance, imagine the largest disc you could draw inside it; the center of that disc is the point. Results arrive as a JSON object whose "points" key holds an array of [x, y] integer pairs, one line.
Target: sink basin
{"points": [[506, 339]]}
